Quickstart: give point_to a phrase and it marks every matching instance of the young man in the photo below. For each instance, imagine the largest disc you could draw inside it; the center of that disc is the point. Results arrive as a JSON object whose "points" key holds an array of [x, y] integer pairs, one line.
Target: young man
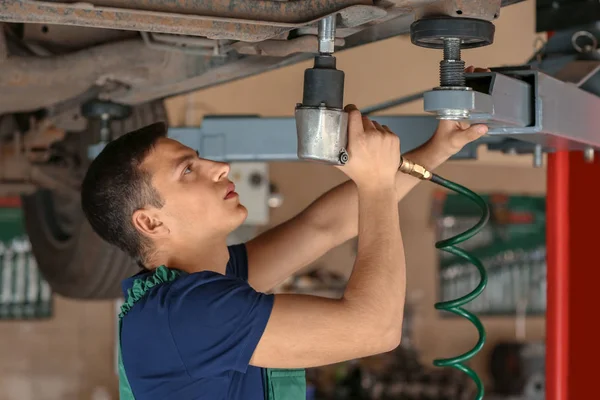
{"points": [[197, 323]]}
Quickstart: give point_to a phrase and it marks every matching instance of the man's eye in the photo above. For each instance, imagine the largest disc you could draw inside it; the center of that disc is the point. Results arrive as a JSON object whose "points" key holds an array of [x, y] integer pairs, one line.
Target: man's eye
{"points": [[187, 170]]}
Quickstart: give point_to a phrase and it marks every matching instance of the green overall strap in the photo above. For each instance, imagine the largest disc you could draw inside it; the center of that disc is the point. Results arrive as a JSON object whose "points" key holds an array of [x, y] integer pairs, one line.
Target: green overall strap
{"points": [[285, 384], [139, 289], [125, 392]]}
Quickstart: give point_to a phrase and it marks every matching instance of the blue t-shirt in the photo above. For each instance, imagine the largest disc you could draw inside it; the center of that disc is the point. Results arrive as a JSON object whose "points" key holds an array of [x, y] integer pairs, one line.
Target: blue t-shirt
{"points": [[193, 338]]}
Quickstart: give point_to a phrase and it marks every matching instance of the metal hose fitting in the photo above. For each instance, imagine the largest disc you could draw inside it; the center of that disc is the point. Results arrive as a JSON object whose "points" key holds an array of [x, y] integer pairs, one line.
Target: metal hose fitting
{"points": [[416, 170]]}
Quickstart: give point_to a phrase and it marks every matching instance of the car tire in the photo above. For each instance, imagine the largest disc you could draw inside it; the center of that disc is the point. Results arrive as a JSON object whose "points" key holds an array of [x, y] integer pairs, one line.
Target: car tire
{"points": [[74, 260]]}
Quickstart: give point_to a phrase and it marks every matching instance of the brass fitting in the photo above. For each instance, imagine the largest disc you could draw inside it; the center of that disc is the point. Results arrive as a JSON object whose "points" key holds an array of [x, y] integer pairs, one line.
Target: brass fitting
{"points": [[416, 170]]}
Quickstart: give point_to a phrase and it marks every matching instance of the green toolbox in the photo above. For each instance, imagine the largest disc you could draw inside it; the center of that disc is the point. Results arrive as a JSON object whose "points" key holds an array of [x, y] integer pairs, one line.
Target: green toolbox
{"points": [[512, 247], [24, 294]]}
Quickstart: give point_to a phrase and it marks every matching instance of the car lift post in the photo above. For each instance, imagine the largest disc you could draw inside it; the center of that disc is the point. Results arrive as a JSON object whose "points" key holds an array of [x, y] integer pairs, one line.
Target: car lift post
{"points": [[557, 261], [573, 216]]}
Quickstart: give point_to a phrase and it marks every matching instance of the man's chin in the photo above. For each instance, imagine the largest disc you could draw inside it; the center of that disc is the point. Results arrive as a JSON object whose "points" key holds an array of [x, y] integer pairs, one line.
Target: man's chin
{"points": [[243, 215], [239, 222]]}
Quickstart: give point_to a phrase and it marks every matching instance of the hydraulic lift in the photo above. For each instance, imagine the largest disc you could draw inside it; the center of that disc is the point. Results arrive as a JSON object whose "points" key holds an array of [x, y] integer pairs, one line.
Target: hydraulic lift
{"points": [[524, 109]]}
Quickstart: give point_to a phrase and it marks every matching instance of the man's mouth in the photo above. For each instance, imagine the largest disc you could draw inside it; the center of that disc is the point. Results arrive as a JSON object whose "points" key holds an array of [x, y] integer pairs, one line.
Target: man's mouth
{"points": [[230, 191]]}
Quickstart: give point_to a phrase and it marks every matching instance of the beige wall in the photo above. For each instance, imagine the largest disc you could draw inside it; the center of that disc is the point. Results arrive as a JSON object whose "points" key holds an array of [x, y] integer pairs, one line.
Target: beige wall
{"points": [[71, 357]]}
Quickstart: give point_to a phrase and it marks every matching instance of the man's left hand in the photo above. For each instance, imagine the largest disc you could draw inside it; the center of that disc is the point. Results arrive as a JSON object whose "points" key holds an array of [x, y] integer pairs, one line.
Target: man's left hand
{"points": [[451, 136]]}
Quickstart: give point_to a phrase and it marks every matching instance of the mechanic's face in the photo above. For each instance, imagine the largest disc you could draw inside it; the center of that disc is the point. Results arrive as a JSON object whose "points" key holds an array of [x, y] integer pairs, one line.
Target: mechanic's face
{"points": [[199, 201]]}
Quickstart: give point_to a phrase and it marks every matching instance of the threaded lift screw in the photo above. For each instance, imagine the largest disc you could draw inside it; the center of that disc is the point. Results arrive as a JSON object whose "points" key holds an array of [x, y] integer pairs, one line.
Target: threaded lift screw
{"points": [[326, 35], [452, 68]]}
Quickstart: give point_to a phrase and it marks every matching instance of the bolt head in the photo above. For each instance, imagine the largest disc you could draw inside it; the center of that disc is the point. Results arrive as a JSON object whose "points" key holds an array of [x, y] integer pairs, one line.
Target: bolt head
{"points": [[326, 47]]}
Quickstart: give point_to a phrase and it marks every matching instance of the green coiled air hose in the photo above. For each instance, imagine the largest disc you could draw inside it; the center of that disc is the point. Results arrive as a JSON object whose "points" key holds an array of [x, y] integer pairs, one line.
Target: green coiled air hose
{"points": [[456, 306], [450, 245]]}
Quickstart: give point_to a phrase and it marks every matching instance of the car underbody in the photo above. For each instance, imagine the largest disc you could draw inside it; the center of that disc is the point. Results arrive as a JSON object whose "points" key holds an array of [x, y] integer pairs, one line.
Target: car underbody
{"points": [[56, 57], [58, 54]]}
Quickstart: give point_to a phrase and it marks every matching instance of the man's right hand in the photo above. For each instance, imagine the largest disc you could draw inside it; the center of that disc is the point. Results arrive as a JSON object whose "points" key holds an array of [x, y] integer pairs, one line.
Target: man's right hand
{"points": [[374, 152]]}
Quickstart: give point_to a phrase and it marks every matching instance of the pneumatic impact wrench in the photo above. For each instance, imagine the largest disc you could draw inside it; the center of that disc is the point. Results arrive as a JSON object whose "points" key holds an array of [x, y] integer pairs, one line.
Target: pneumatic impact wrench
{"points": [[321, 122]]}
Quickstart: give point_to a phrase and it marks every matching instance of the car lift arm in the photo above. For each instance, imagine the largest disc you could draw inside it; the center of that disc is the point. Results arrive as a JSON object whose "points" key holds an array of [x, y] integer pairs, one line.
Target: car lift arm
{"points": [[274, 139], [523, 104]]}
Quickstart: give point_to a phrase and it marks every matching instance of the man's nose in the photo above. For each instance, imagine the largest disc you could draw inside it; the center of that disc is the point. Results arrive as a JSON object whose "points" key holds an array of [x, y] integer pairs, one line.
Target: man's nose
{"points": [[221, 170]]}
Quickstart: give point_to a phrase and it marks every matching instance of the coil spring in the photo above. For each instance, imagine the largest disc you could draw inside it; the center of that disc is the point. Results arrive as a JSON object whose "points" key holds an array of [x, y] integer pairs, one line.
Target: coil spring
{"points": [[456, 306]]}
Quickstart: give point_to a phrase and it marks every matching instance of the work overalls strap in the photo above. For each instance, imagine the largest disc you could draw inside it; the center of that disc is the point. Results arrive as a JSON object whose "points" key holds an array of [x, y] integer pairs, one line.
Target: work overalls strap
{"points": [[125, 392], [139, 289], [284, 384], [280, 384]]}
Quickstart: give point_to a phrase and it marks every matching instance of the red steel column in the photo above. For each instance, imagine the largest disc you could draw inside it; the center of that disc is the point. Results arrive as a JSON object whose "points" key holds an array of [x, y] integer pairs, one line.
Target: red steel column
{"points": [[557, 255], [573, 243]]}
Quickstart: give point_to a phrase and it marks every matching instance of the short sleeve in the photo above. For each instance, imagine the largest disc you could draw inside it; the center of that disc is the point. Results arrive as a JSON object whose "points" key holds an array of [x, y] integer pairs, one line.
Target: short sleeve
{"points": [[238, 261], [216, 322]]}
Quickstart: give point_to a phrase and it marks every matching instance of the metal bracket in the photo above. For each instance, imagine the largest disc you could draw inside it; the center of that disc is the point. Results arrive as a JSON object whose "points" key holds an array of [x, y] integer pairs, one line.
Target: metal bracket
{"points": [[492, 100], [527, 105]]}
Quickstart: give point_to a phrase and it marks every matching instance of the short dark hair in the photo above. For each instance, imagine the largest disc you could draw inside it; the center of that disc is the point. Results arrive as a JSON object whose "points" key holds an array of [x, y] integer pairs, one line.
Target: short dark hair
{"points": [[115, 186]]}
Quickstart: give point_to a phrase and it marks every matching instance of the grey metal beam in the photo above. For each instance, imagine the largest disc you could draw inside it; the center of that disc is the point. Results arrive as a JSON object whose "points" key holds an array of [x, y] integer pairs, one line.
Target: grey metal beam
{"points": [[241, 138], [274, 139]]}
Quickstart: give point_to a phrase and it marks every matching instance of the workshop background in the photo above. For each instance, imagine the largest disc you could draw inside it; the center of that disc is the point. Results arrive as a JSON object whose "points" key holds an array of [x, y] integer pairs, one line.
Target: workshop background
{"points": [[71, 355]]}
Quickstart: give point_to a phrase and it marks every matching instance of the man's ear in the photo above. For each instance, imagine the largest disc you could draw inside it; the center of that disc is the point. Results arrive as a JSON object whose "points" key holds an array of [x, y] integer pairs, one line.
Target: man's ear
{"points": [[148, 223]]}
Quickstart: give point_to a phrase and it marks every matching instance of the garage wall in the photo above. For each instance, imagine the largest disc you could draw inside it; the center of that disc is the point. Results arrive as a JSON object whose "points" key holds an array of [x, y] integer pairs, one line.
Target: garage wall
{"points": [[69, 357]]}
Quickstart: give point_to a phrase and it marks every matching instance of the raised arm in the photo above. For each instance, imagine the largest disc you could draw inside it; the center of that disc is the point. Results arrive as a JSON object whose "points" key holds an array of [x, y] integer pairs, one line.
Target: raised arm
{"points": [[332, 219], [307, 331]]}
